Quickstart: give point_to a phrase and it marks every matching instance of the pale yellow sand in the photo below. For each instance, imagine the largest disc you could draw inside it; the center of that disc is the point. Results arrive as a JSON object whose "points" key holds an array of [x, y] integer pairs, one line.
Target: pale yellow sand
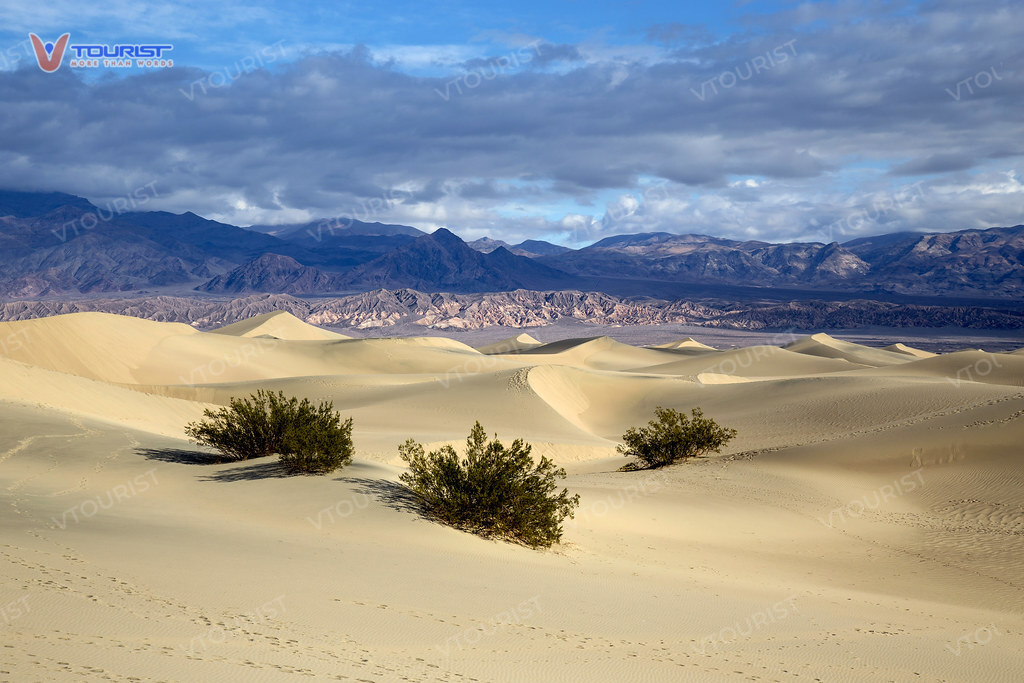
{"points": [[519, 342], [279, 324], [909, 350], [866, 524], [687, 343], [600, 353], [825, 346]]}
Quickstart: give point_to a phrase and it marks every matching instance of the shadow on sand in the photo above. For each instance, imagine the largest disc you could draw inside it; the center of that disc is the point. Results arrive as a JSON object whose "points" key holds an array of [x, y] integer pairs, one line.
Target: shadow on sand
{"points": [[246, 470], [183, 456], [250, 471], [390, 493]]}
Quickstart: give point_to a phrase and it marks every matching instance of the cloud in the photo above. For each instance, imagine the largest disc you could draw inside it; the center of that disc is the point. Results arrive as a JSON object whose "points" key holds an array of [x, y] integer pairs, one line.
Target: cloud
{"points": [[674, 33], [858, 104], [935, 163]]}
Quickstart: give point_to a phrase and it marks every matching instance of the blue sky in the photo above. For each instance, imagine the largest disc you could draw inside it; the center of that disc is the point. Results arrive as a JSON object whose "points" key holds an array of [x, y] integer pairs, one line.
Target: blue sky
{"points": [[569, 121], [201, 29]]}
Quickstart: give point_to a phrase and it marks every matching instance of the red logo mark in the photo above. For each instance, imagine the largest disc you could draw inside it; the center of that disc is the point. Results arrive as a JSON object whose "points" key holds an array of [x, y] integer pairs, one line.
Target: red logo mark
{"points": [[50, 55]]}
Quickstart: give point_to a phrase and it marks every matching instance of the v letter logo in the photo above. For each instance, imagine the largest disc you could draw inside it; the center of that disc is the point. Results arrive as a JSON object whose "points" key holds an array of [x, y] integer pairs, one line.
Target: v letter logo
{"points": [[49, 59]]}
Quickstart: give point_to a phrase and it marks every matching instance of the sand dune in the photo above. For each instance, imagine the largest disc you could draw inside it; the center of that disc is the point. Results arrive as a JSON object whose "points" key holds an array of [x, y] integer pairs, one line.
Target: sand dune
{"points": [[687, 343], [95, 345], [597, 353], [48, 390], [278, 324], [961, 366], [520, 342], [753, 361], [910, 351], [866, 524], [826, 347], [131, 351]]}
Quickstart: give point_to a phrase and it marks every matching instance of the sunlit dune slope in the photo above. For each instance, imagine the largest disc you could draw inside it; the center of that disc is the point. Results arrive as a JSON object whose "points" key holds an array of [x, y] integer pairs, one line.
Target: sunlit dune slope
{"points": [[826, 347], [278, 324]]}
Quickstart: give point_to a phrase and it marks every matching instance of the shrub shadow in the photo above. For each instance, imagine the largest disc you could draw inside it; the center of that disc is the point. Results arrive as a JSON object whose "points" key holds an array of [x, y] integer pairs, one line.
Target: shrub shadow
{"points": [[250, 471], [247, 469], [183, 456], [391, 493]]}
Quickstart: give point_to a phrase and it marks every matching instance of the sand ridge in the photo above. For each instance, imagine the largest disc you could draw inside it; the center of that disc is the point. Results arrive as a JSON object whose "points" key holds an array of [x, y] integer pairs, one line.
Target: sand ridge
{"points": [[278, 324], [520, 342], [909, 350], [825, 346], [686, 343]]}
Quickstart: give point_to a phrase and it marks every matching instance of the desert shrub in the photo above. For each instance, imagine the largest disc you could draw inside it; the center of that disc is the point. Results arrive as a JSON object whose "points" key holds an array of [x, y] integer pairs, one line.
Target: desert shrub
{"points": [[307, 438], [493, 491], [316, 441], [247, 428], [673, 436]]}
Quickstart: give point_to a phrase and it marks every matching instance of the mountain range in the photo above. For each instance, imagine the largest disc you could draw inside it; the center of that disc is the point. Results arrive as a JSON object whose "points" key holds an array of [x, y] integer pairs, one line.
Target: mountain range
{"points": [[55, 244]]}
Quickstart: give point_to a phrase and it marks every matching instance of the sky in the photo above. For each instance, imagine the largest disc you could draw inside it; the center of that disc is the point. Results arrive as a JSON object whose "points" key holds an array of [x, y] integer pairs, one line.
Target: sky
{"points": [[561, 120]]}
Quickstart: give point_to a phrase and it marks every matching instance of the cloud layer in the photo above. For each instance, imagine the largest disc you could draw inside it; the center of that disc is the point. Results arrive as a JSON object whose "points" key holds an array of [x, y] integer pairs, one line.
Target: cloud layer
{"points": [[824, 121]]}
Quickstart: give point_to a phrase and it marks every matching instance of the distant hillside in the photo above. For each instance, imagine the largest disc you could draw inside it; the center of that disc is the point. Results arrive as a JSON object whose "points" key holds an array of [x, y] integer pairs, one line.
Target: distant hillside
{"points": [[531, 248], [384, 308], [443, 262], [54, 244], [968, 263], [273, 273]]}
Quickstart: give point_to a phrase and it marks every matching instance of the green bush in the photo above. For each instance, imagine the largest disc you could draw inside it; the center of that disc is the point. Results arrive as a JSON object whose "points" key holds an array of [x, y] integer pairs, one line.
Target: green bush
{"points": [[493, 491], [673, 436], [316, 440], [307, 438]]}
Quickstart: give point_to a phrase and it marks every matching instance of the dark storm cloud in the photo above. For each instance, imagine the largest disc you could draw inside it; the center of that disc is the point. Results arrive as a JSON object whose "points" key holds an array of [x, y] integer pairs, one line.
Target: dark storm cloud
{"points": [[479, 191], [935, 163], [794, 103]]}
